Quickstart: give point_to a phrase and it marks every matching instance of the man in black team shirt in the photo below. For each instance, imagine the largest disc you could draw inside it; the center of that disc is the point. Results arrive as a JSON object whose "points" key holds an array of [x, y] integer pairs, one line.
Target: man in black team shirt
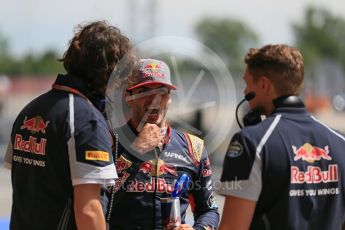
{"points": [[60, 148], [285, 172]]}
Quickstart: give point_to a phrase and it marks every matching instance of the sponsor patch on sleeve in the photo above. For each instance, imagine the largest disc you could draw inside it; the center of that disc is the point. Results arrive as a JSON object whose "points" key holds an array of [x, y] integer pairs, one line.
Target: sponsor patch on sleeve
{"points": [[94, 155], [235, 149], [211, 202]]}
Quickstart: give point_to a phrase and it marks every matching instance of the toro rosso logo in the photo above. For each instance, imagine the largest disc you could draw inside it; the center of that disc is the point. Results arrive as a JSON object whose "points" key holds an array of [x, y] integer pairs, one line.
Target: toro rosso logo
{"points": [[310, 153], [35, 125], [122, 163]]}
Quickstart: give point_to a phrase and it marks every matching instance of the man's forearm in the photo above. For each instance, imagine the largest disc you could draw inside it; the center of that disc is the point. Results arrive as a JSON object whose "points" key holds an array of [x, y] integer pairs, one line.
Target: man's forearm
{"points": [[87, 207], [91, 217]]}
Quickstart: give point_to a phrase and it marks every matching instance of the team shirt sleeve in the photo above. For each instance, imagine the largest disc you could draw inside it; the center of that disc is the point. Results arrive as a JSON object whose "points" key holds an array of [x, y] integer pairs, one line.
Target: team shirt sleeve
{"points": [[241, 176], [89, 149]]}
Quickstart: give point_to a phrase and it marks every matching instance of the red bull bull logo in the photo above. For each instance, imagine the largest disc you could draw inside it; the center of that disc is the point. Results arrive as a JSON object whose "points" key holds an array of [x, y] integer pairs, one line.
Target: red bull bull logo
{"points": [[152, 66], [157, 168], [35, 125], [310, 153], [153, 70]]}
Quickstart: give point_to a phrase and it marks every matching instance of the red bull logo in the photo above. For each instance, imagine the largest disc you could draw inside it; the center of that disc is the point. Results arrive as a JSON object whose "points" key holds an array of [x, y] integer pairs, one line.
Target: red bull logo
{"points": [[311, 153], [30, 146], [157, 168], [314, 175], [122, 164], [150, 186], [120, 181], [152, 66], [153, 70], [206, 173], [35, 125]]}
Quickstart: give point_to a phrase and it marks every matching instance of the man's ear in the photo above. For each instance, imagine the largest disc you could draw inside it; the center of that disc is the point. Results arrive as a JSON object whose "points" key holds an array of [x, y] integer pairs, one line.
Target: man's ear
{"points": [[169, 101], [265, 83]]}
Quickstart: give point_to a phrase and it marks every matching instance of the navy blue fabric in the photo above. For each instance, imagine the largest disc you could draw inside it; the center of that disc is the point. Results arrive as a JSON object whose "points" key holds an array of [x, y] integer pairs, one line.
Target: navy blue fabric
{"points": [[294, 195], [139, 201], [42, 183]]}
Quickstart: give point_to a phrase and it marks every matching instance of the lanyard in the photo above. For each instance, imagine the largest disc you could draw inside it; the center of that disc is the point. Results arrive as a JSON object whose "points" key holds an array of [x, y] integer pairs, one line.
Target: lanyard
{"points": [[70, 90], [77, 92]]}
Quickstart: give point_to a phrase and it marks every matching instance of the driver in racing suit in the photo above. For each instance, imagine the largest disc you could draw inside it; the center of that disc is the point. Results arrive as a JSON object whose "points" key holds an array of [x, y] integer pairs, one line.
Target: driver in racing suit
{"points": [[151, 155]]}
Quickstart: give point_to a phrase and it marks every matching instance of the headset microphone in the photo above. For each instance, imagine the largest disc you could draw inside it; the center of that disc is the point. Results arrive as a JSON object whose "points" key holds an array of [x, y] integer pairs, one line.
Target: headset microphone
{"points": [[249, 96]]}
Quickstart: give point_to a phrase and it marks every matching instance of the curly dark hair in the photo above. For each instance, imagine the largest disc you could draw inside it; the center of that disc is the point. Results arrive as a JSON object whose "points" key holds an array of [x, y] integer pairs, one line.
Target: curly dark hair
{"points": [[282, 64], [93, 53]]}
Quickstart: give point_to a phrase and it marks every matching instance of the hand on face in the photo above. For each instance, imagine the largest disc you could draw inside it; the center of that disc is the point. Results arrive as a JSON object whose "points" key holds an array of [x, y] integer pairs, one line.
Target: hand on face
{"points": [[148, 138]]}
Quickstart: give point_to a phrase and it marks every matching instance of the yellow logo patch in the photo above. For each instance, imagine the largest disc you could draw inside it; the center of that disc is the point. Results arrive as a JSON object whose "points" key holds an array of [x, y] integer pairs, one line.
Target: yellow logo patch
{"points": [[96, 155], [197, 145]]}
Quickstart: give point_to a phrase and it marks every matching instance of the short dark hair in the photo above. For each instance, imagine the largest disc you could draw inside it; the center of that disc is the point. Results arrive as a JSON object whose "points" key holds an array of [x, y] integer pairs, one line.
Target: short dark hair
{"points": [[282, 64], [93, 53]]}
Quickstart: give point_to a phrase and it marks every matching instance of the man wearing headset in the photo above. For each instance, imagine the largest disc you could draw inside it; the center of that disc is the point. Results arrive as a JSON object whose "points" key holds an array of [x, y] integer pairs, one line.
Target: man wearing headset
{"points": [[285, 172]]}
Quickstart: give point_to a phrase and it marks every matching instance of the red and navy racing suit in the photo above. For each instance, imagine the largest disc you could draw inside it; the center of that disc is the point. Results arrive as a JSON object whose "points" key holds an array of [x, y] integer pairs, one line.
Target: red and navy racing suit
{"points": [[293, 166], [143, 181], [58, 140]]}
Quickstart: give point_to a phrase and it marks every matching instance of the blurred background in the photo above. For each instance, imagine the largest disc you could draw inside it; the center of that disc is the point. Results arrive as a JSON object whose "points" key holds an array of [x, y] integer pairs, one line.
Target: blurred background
{"points": [[35, 33]]}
